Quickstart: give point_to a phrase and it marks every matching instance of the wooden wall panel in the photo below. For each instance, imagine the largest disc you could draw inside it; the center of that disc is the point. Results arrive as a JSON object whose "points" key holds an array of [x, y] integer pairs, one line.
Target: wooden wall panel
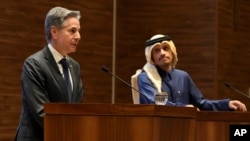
{"points": [[233, 50], [191, 24]]}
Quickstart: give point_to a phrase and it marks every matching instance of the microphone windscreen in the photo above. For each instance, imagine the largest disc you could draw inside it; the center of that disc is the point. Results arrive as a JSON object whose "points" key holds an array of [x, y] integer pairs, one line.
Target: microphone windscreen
{"points": [[227, 84], [104, 68]]}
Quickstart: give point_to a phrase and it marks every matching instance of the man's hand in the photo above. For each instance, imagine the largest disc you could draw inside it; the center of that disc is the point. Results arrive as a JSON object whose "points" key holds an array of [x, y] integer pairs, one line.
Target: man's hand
{"points": [[237, 105], [190, 105]]}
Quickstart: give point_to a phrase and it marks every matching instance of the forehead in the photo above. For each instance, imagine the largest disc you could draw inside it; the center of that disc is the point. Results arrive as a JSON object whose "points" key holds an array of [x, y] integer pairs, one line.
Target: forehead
{"points": [[161, 45], [71, 22]]}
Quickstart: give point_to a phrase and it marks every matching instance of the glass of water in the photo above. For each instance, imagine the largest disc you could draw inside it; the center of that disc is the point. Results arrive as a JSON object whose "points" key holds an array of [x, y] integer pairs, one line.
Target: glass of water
{"points": [[161, 98]]}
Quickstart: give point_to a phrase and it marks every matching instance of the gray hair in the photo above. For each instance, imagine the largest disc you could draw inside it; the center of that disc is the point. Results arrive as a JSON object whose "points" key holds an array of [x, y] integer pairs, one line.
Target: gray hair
{"points": [[56, 17]]}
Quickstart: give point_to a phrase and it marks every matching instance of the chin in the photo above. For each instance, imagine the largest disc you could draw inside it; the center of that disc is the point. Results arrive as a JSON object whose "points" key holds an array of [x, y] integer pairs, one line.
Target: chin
{"points": [[72, 50]]}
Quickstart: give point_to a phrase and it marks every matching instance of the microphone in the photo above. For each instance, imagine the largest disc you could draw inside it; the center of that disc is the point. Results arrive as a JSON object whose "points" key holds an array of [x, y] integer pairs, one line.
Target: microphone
{"points": [[104, 68], [236, 90]]}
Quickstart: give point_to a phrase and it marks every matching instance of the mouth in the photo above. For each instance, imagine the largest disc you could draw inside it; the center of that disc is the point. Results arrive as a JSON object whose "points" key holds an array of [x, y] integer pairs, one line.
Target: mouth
{"points": [[75, 45], [163, 58]]}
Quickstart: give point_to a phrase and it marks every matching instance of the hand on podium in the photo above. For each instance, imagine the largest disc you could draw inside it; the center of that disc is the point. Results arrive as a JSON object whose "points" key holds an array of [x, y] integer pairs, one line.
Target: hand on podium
{"points": [[237, 105], [190, 105]]}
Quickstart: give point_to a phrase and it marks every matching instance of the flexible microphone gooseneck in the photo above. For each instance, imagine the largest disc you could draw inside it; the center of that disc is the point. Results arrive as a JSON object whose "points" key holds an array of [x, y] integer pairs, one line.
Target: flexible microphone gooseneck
{"points": [[104, 68], [236, 90]]}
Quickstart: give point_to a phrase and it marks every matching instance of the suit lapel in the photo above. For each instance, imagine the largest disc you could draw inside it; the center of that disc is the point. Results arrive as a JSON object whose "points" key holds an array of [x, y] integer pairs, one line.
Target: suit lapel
{"points": [[56, 73]]}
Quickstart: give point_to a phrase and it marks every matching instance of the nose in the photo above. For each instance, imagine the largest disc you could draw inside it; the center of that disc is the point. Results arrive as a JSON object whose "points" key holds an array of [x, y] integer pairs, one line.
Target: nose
{"points": [[162, 51], [78, 35]]}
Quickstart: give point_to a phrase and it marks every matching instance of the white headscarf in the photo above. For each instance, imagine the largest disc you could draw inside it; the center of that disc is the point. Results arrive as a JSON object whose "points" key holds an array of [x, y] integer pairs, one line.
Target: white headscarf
{"points": [[149, 67]]}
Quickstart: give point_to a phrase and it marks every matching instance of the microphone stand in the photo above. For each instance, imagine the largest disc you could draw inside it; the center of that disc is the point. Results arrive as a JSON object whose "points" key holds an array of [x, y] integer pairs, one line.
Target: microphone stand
{"points": [[236, 90], [104, 68]]}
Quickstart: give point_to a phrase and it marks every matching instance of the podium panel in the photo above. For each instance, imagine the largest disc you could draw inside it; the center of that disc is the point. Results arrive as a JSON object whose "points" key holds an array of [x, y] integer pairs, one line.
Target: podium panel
{"points": [[118, 122], [215, 126]]}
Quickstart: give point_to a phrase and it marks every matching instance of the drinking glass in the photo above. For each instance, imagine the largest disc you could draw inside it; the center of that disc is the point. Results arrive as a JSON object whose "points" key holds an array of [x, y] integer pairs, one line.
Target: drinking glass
{"points": [[161, 98]]}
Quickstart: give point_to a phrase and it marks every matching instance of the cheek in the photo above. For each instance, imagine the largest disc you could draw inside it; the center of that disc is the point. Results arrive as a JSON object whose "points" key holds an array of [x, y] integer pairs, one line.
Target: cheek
{"points": [[154, 57], [171, 55]]}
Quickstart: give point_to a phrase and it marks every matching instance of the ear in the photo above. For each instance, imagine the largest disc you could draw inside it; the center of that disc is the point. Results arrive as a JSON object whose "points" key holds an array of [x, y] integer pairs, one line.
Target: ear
{"points": [[53, 31]]}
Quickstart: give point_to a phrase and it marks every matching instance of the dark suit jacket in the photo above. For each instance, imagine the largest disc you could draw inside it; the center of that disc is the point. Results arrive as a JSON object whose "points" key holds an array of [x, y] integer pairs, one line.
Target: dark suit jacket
{"points": [[42, 82]]}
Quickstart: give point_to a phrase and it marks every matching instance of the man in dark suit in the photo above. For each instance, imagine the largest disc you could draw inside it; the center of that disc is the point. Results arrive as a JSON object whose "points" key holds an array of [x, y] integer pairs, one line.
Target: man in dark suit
{"points": [[45, 78]]}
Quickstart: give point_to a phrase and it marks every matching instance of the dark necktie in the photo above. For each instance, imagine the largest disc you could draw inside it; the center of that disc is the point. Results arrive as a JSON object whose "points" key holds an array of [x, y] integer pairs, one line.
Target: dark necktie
{"points": [[65, 67]]}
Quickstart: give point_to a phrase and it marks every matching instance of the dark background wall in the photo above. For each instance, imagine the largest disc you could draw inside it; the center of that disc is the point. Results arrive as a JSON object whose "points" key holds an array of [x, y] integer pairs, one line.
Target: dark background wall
{"points": [[211, 38]]}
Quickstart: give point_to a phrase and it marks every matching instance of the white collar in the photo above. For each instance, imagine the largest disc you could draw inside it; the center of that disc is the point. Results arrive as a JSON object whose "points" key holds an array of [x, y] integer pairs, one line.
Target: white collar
{"points": [[57, 56]]}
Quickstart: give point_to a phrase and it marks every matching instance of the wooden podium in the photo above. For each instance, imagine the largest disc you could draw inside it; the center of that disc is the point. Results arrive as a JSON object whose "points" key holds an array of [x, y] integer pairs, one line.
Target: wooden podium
{"points": [[118, 122], [215, 126]]}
